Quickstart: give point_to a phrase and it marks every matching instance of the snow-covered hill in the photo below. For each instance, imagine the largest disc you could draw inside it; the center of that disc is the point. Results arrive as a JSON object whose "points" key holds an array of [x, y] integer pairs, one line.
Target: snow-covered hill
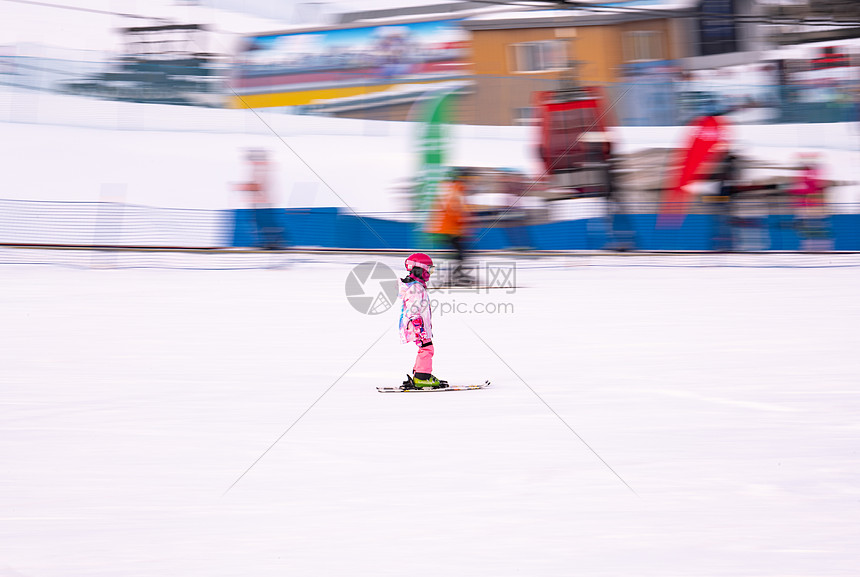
{"points": [[71, 148]]}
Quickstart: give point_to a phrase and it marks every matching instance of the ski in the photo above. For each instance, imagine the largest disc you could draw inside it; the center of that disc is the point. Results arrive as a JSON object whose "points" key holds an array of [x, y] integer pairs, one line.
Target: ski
{"points": [[407, 389]]}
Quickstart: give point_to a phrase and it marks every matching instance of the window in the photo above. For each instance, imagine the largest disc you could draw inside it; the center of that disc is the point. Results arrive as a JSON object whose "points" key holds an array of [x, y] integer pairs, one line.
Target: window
{"points": [[718, 32], [540, 56], [643, 46]]}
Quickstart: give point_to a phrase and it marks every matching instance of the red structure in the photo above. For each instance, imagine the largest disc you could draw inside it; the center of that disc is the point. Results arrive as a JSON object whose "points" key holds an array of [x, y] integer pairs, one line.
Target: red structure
{"points": [[574, 144]]}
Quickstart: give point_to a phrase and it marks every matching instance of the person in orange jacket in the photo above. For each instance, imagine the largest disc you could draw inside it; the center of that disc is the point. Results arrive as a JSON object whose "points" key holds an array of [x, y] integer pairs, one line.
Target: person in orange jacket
{"points": [[451, 220]]}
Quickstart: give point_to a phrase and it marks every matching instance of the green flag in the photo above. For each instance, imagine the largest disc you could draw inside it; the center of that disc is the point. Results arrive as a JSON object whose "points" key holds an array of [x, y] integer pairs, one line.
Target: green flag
{"points": [[433, 143]]}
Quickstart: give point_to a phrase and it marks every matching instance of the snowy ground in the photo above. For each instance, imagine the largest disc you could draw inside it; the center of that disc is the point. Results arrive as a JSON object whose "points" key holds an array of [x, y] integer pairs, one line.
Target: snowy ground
{"points": [[643, 421]]}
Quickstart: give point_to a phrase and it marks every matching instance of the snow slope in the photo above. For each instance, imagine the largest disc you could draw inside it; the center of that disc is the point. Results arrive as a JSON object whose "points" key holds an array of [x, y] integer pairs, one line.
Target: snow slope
{"points": [[70, 148], [185, 157], [653, 422]]}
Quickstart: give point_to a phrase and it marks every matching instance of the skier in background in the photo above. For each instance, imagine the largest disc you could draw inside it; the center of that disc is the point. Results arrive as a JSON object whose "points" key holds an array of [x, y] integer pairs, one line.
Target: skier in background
{"points": [[810, 207], [451, 220], [622, 235], [269, 234], [727, 174], [515, 214], [415, 321]]}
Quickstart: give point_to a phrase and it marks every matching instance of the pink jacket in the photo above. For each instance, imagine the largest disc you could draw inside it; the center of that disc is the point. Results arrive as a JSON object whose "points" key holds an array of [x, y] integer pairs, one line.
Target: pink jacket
{"points": [[416, 304]]}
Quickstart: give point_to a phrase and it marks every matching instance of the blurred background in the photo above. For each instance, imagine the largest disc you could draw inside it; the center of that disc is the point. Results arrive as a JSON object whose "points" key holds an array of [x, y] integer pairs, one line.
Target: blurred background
{"points": [[242, 126]]}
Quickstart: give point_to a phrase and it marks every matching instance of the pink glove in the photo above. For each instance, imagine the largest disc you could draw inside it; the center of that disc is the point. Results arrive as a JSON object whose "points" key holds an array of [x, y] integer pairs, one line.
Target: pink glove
{"points": [[418, 329]]}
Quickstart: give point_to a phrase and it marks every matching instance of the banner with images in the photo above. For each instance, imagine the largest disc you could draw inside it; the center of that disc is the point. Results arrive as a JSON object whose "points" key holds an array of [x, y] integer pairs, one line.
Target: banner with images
{"points": [[296, 68]]}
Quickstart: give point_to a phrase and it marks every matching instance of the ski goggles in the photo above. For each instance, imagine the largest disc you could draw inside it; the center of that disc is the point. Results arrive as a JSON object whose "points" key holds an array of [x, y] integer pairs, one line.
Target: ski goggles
{"points": [[412, 264]]}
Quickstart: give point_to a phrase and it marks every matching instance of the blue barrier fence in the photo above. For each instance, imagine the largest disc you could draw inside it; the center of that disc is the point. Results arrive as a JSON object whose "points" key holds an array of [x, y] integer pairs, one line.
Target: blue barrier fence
{"points": [[108, 224], [330, 227]]}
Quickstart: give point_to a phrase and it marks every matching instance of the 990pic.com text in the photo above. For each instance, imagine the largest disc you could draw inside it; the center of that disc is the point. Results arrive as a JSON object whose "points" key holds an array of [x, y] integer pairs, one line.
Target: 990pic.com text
{"points": [[480, 308]]}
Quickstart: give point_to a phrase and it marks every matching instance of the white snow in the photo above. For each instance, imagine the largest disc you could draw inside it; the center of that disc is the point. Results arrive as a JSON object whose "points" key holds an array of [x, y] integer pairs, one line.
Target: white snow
{"points": [[187, 157], [644, 421], [725, 398]]}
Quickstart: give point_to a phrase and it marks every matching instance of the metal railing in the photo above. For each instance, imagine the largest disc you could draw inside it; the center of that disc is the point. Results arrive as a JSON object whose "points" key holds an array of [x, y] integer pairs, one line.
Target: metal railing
{"points": [[109, 224]]}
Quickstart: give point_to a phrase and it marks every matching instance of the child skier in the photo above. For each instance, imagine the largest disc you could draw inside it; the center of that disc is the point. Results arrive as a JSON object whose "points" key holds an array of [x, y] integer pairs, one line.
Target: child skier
{"points": [[415, 323]]}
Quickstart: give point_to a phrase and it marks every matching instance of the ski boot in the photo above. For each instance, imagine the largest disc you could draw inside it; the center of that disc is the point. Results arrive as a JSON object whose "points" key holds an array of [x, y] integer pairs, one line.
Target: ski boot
{"points": [[423, 381]]}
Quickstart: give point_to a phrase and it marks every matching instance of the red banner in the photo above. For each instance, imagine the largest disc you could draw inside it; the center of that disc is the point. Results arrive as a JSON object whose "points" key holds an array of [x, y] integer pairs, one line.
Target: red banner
{"points": [[705, 136]]}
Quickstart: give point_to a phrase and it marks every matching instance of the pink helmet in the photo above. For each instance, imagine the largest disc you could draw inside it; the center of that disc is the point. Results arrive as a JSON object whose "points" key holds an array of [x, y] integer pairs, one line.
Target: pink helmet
{"points": [[423, 263]]}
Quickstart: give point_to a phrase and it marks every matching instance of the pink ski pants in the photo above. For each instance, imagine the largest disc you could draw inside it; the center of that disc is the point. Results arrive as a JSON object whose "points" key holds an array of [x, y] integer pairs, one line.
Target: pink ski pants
{"points": [[424, 360]]}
